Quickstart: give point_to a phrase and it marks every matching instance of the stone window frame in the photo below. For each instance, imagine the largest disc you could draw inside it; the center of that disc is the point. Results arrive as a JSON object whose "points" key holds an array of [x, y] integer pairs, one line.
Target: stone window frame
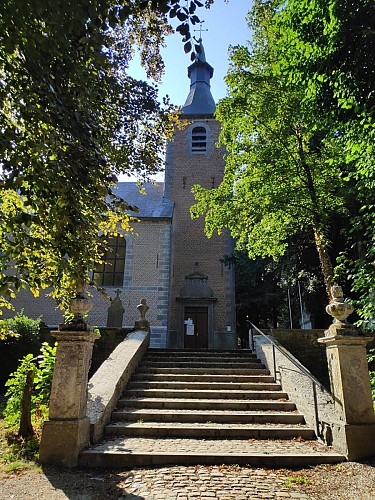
{"points": [[199, 139], [204, 123], [110, 273]]}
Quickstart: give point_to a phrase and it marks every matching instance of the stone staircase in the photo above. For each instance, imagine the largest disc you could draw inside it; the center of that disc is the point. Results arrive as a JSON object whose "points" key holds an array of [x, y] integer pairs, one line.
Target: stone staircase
{"points": [[206, 407]]}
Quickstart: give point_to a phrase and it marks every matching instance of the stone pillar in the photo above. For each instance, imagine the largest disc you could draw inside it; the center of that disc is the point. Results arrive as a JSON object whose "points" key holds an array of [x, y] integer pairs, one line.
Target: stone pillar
{"points": [[349, 376], [354, 430], [67, 431]]}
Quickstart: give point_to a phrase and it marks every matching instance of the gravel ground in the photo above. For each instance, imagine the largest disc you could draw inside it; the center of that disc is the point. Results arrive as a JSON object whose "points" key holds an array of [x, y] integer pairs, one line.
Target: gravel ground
{"points": [[351, 481]]}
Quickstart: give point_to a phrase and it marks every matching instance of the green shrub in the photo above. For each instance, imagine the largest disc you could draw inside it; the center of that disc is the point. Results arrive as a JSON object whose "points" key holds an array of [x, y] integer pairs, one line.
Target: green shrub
{"points": [[22, 337], [16, 384], [43, 373], [22, 326], [43, 379]]}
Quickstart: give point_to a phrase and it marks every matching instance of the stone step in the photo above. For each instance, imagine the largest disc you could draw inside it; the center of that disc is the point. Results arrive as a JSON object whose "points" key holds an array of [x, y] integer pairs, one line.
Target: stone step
{"points": [[199, 359], [202, 352], [208, 431], [204, 407], [253, 364], [204, 394], [172, 415], [208, 371], [206, 404], [138, 451], [204, 378], [168, 385]]}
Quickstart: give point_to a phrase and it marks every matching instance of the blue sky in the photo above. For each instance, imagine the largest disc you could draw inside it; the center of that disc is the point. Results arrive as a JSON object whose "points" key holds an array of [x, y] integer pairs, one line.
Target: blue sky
{"points": [[226, 24]]}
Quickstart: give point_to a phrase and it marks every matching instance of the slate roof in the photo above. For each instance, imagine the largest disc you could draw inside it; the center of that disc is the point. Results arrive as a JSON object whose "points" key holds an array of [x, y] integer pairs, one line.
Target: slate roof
{"points": [[200, 100], [151, 205]]}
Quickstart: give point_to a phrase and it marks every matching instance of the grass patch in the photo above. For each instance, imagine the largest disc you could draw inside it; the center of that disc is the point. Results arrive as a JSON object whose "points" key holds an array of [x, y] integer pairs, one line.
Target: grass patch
{"points": [[17, 454], [299, 480]]}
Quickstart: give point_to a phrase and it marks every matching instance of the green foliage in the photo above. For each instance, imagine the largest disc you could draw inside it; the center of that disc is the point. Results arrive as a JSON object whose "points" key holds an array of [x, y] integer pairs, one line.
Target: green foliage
{"points": [[43, 379], [282, 173], [20, 326], [299, 129], [295, 480], [16, 384], [21, 336], [327, 49], [72, 120], [16, 453], [262, 286], [42, 384]]}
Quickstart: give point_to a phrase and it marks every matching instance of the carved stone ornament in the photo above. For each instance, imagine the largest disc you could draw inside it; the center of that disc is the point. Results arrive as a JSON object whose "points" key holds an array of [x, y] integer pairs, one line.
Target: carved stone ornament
{"points": [[143, 308], [142, 323], [339, 309], [80, 305]]}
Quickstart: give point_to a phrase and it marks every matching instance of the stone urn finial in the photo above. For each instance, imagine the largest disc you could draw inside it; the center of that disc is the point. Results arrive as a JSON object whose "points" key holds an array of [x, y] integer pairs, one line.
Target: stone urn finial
{"points": [[79, 306], [339, 309], [142, 323], [143, 308]]}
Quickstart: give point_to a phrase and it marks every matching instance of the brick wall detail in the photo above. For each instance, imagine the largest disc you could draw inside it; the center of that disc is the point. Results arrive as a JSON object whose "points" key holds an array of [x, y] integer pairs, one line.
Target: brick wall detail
{"points": [[191, 250]]}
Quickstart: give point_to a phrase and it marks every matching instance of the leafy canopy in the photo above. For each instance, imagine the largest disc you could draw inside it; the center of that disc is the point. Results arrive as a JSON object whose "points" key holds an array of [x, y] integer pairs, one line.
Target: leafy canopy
{"points": [[328, 49], [282, 171], [71, 120]]}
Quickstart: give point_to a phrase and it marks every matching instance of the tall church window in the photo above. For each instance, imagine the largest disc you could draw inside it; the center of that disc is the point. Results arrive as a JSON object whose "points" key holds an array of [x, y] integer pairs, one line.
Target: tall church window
{"points": [[199, 139], [111, 272]]}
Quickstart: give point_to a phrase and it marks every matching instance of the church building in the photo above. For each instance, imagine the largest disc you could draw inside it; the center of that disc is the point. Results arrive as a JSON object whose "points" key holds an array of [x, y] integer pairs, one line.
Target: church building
{"points": [[168, 260]]}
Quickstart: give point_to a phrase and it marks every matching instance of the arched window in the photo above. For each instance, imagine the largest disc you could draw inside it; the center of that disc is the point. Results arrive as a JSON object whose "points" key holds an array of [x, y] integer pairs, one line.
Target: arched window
{"points": [[199, 139], [111, 272]]}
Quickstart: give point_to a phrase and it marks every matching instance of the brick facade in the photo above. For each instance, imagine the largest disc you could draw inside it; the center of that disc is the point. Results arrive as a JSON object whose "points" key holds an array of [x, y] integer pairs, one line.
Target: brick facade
{"points": [[146, 275], [192, 251]]}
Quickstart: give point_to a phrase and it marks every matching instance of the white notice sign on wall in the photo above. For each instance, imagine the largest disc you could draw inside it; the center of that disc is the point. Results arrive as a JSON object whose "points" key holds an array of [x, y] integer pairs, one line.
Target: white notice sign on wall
{"points": [[189, 329]]}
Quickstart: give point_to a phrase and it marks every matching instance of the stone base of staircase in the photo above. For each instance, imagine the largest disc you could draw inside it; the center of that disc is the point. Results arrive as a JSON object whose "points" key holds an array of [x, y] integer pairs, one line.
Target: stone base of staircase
{"points": [[206, 407], [131, 452]]}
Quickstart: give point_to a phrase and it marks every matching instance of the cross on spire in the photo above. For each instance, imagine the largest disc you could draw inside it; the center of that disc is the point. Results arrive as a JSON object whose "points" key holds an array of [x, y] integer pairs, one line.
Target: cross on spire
{"points": [[200, 31]]}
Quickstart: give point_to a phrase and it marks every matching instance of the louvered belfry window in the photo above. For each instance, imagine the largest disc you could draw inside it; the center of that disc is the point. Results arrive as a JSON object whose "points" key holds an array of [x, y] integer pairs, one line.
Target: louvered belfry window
{"points": [[199, 139], [111, 272]]}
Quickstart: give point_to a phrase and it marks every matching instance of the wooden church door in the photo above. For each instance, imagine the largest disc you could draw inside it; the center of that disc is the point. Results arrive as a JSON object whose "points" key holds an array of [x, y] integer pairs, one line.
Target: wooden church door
{"points": [[196, 327]]}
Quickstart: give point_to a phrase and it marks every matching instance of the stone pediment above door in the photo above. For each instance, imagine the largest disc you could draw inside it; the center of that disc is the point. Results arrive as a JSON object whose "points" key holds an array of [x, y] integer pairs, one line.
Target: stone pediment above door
{"points": [[196, 287]]}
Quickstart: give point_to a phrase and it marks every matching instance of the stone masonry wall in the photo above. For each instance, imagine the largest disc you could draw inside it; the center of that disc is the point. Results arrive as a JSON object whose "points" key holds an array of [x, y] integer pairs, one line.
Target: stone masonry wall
{"points": [[304, 345]]}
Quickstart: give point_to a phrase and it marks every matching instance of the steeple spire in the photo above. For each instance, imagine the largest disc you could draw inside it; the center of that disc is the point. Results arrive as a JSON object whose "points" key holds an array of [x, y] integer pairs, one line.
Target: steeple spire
{"points": [[200, 100]]}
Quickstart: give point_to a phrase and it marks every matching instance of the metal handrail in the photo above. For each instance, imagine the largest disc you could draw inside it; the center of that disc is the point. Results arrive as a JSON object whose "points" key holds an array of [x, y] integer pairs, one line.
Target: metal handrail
{"points": [[288, 356], [296, 363]]}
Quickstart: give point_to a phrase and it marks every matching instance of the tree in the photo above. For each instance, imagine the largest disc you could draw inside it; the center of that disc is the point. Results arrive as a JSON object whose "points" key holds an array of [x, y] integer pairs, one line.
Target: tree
{"points": [[263, 286], [72, 119], [328, 49], [282, 171]]}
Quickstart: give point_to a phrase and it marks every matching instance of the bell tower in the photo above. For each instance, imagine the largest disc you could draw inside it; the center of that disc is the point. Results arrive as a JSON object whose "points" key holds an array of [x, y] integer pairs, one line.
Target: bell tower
{"points": [[201, 302]]}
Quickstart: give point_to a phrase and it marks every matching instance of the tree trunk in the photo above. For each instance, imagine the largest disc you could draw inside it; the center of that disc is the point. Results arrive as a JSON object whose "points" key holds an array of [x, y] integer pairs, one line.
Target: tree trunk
{"points": [[325, 261], [324, 258], [26, 429]]}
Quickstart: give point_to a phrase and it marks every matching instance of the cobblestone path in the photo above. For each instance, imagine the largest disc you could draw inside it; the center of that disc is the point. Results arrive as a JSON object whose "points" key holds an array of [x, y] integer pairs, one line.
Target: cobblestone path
{"points": [[211, 482]]}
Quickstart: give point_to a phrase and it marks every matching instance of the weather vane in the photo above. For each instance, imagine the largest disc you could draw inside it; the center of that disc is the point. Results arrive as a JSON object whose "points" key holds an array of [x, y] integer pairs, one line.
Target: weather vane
{"points": [[200, 30]]}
